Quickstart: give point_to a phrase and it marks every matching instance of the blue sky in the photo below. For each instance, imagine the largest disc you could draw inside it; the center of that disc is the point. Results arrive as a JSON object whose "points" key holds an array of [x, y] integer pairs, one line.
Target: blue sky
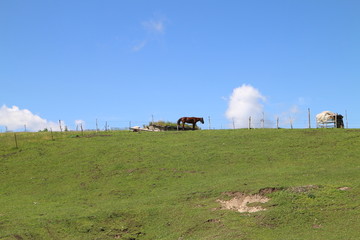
{"points": [[122, 61]]}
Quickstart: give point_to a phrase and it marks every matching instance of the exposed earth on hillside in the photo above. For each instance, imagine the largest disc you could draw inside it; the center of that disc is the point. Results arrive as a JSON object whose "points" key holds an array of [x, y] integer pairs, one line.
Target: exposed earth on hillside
{"points": [[245, 203], [240, 202]]}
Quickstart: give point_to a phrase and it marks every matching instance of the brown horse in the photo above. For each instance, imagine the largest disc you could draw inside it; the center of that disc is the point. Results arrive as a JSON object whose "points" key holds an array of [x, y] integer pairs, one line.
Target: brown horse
{"points": [[192, 120]]}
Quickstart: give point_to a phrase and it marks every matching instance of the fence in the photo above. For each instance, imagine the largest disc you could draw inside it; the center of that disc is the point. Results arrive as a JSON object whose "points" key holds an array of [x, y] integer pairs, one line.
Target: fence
{"points": [[218, 124], [210, 123]]}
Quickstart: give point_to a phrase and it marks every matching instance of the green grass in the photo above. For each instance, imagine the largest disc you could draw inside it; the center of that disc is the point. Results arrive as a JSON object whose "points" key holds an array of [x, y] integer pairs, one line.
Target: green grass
{"points": [[164, 185]]}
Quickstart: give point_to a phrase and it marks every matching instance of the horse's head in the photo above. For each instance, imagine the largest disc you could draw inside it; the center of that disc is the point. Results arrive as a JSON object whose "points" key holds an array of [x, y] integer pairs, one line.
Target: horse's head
{"points": [[202, 120]]}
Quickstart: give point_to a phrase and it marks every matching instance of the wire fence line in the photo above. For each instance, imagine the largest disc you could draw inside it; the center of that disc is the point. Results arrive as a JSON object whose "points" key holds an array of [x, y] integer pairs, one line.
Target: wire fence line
{"points": [[299, 122], [218, 124], [210, 124]]}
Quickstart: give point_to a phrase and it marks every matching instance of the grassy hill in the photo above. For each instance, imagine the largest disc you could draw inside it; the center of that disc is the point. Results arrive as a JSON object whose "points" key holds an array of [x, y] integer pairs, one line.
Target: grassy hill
{"points": [[166, 185]]}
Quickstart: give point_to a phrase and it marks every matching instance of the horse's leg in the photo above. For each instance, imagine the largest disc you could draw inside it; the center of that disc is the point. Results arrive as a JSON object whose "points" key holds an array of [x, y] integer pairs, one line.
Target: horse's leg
{"points": [[183, 124], [194, 123]]}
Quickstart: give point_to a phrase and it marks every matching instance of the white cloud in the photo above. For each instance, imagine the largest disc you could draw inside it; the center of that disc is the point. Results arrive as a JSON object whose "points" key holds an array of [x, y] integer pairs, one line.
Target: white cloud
{"points": [[154, 29], [80, 124], [154, 26], [139, 46], [15, 118], [245, 101], [290, 116]]}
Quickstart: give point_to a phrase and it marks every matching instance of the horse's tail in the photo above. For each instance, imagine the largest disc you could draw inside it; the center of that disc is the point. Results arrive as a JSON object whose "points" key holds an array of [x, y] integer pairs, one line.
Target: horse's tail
{"points": [[178, 122]]}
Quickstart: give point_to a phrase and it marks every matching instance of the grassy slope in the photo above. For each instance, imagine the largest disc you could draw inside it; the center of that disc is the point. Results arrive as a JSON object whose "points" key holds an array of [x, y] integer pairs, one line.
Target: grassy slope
{"points": [[165, 185]]}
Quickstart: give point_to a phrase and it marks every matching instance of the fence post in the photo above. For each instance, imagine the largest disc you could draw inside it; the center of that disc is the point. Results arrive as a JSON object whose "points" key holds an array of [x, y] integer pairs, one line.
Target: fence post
{"points": [[346, 119], [52, 135], [60, 126], [16, 143]]}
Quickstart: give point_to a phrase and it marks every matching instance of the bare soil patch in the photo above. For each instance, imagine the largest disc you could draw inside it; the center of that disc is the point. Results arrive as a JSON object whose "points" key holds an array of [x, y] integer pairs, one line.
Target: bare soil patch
{"points": [[240, 202], [250, 203]]}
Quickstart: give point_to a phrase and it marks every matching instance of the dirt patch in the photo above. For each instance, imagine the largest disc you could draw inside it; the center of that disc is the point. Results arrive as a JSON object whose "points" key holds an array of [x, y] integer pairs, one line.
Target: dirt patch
{"points": [[240, 202], [269, 190], [250, 203]]}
